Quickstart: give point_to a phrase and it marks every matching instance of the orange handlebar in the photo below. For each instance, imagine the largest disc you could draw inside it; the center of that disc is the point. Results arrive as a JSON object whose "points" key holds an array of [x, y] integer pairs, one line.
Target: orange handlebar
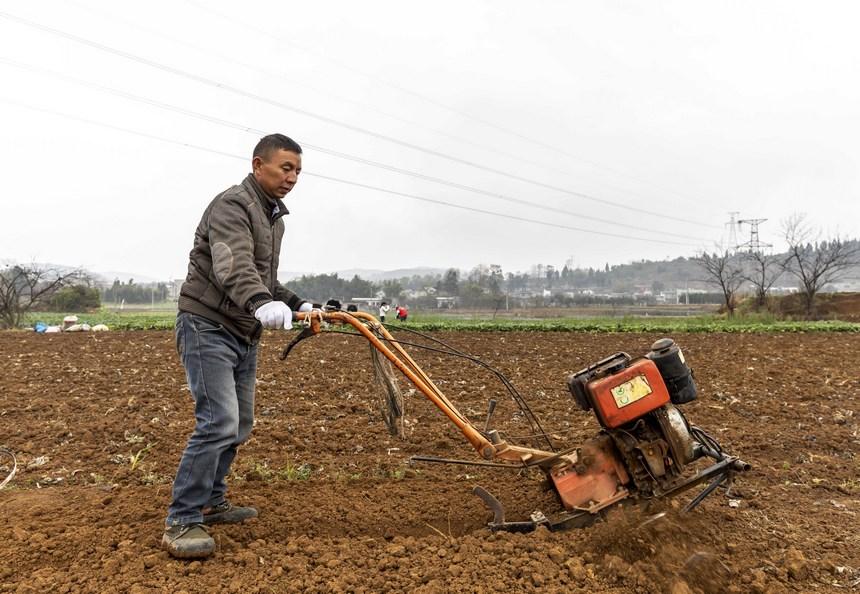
{"points": [[405, 364], [363, 322]]}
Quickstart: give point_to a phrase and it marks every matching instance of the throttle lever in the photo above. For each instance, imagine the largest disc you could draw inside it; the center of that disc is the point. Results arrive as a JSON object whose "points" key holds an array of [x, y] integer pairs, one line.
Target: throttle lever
{"points": [[490, 410], [312, 326]]}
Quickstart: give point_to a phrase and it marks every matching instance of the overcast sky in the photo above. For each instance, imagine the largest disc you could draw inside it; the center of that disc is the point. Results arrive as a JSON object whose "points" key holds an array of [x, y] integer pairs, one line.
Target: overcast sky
{"points": [[587, 132]]}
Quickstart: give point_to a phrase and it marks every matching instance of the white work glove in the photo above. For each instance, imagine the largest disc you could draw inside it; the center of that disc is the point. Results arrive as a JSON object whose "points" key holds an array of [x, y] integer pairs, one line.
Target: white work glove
{"points": [[306, 306], [275, 315]]}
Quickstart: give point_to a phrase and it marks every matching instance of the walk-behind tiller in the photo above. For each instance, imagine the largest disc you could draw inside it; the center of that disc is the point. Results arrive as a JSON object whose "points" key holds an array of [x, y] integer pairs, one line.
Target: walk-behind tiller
{"points": [[644, 451]]}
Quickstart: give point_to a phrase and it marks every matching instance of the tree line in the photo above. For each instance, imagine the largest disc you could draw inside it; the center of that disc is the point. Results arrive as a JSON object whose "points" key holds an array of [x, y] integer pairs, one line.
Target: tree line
{"points": [[34, 287], [812, 261], [130, 292], [27, 288]]}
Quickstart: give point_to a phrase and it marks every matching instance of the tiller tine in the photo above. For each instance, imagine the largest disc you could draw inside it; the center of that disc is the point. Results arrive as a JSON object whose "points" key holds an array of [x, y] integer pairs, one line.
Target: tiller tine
{"points": [[498, 523]]}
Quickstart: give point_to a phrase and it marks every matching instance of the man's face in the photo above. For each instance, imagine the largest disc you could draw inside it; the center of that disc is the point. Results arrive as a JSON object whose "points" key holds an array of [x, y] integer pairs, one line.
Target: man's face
{"points": [[277, 173]]}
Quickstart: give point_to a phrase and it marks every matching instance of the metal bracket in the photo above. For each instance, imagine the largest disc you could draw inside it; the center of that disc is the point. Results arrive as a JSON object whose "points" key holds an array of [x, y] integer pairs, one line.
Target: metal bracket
{"points": [[499, 523]]}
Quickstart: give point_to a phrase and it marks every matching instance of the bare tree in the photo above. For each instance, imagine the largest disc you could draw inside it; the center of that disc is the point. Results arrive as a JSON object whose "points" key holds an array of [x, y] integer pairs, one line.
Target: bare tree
{"points": [[725, 271], [762, 271], [815, 263], [23, 288]]}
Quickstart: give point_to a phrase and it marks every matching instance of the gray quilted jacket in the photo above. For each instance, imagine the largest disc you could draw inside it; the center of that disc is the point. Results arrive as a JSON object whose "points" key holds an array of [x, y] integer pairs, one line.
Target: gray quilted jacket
{"points": [[233, 267]]}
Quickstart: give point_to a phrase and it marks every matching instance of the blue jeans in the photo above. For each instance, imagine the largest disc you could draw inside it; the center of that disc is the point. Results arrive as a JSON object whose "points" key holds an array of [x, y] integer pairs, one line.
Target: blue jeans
{"points": [[221, 371]]}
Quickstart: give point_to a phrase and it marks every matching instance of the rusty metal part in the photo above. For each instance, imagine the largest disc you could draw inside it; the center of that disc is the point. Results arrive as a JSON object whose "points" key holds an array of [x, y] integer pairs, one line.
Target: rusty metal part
{"points": [[592, 478]]}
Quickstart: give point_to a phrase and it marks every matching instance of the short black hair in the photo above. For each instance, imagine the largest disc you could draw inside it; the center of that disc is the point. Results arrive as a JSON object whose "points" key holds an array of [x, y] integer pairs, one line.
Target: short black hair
{"points": [[274, 142]]}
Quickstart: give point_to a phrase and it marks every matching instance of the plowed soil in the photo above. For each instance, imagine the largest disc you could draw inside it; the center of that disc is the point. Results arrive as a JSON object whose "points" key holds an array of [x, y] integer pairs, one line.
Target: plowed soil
{"points": [[98, 422]]}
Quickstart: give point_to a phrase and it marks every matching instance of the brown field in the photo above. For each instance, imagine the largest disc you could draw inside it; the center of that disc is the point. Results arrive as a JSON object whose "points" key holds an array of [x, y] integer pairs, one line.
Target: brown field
{"points": [[98, 422]]}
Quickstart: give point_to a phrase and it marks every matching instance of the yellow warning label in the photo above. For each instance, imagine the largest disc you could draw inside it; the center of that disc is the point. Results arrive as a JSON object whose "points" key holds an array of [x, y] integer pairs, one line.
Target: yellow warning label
{"points": [[631, 391]]}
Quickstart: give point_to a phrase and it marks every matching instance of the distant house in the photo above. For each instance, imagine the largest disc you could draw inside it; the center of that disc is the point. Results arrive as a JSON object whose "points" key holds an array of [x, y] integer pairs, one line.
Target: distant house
{"points": [[418, 293], [446, 302], [368, 303]]}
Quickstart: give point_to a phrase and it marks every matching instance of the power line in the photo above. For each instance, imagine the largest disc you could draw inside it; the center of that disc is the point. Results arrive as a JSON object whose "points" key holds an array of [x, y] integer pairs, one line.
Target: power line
{"points": [[233, 21], [328, 120], [507, 216], [371, 77], [362, 104], [347, 156], [341, 180], [252, 67]]}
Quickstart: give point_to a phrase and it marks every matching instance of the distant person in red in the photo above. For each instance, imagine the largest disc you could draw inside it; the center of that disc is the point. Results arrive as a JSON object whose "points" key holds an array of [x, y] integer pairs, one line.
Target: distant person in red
{"points": [[401, 313]]}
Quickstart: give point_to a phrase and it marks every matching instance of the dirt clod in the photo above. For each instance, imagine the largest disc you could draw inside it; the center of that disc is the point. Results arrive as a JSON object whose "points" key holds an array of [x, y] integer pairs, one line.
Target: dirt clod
{"points": [[796, 564]]}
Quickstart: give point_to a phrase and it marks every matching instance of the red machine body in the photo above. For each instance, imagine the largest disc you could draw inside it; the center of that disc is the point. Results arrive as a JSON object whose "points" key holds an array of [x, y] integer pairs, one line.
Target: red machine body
{"points": [[628, 394], [620, 391], [591, 479]]}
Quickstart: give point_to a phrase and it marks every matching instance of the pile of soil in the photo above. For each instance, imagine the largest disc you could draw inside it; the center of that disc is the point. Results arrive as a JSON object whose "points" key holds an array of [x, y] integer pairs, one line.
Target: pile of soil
{"points": [[98, 423]]}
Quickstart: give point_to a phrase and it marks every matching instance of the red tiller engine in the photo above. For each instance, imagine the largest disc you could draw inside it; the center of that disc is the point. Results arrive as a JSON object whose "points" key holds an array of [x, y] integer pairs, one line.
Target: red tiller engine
{"points": [[646, 442], [644, 450]]}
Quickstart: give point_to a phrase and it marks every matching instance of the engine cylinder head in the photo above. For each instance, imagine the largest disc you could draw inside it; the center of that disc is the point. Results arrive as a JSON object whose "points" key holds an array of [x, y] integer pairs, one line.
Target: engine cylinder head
{"points": [[674, 370]]}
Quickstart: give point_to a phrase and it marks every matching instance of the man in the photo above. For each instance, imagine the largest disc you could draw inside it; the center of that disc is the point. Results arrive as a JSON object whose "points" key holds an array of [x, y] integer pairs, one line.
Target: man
{"points": [[230, 294]]}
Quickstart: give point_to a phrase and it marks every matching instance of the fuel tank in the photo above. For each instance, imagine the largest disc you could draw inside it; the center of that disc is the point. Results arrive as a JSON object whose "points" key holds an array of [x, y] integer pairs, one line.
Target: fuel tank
{"points": [[620, 390]]}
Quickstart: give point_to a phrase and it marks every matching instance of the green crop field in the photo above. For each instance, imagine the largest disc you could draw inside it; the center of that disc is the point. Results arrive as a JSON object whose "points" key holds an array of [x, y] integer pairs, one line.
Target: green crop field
{"points": [[163, 320], [115, 320]]}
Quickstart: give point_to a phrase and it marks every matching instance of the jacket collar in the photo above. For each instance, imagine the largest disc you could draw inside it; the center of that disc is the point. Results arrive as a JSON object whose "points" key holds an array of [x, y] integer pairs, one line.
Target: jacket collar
{"points": [[274, 206]]}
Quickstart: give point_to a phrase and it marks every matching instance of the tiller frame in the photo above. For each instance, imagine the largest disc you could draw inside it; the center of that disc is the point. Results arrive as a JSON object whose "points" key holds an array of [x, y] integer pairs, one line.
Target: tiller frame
{"points": [[593, 469]]}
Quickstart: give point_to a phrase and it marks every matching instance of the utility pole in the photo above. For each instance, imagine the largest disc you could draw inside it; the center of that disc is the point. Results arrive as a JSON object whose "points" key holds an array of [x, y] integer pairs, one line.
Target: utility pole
{"points": [[754, 245]]}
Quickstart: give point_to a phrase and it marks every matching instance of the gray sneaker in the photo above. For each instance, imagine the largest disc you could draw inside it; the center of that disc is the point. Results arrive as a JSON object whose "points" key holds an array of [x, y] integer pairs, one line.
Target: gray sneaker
{"points": [[227, 513], [188, 541]]}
